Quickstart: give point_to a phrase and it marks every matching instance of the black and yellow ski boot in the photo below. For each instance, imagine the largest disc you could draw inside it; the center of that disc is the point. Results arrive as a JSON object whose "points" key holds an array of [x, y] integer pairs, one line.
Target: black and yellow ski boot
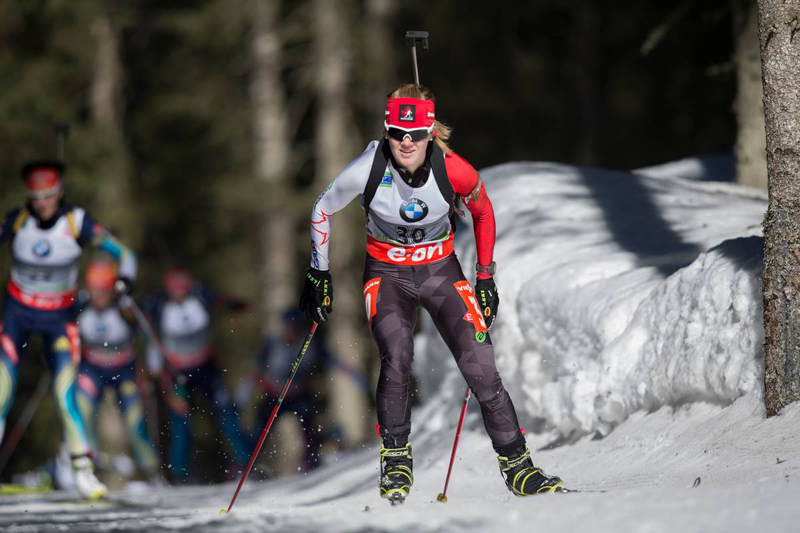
{"points": [[523, 478], [396, 475]]}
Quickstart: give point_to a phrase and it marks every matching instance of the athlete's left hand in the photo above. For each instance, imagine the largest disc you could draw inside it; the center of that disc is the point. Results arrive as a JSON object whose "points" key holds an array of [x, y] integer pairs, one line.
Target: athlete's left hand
{"points": [[488, 299]]}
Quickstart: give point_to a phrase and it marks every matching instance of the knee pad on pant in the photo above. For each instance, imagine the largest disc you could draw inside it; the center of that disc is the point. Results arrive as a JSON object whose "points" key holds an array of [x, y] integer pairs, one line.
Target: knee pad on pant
{"points": [[87, 386], [8, 348], [492, 396]]}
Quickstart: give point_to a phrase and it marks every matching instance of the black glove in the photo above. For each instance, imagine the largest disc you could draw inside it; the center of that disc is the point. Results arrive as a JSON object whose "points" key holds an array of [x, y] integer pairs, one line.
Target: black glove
{"points": [[316, 301], [488, 299], [123, 285]]}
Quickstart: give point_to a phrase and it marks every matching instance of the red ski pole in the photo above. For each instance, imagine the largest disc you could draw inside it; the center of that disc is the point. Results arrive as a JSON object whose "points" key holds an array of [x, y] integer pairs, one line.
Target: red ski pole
{"points": [[442, 497], [272, 416]]}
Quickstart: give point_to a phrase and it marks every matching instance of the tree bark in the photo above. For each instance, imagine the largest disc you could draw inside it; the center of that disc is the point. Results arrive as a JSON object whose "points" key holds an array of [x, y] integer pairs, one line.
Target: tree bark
{"points": [[380, 68], [750, 149], [276, 265], [115, 209], [106, 106], [106, 91], [334, 147], [779, 35]]}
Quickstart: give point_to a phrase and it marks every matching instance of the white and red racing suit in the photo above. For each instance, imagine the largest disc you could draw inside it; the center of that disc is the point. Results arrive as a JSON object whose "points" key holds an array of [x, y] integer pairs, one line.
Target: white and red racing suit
{"points": [[411, 263]]}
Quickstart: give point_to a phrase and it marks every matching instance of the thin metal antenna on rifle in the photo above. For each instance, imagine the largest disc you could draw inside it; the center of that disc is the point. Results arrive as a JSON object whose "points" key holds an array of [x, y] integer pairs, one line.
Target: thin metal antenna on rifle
{"points": [[414, 38]]}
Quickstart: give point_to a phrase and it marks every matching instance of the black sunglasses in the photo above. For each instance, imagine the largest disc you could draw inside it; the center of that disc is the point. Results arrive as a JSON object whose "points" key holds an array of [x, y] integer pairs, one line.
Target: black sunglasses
{"points": [[415, 135]]}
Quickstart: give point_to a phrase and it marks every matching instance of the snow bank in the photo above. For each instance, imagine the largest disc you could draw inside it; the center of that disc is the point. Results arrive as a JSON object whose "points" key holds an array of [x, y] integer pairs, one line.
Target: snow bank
{"points": [[619, 292]]}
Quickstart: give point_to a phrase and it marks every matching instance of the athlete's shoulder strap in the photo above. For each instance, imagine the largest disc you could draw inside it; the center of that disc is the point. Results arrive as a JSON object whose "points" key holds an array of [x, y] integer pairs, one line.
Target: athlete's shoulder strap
{"points": [[379, 167], [73, 227], [440, 174], [20, 220], [376, 173]]}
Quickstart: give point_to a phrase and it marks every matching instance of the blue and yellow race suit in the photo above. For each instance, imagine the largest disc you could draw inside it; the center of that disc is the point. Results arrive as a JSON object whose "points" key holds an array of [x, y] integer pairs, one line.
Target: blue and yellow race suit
{"points": [[40, 298], [108, 360]]}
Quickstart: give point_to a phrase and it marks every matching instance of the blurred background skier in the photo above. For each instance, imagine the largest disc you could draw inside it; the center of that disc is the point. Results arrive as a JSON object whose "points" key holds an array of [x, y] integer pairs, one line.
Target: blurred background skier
{"points": [[47, 239], [182, 318], [107, 328], [303, 399]]}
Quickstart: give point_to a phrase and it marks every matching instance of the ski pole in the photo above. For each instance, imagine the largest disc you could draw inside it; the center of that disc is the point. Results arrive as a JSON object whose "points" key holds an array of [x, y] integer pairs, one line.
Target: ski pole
{"points": [[414, 38], [151, 406], [144, 323], [272, 416], [442, 497], [24, 420]]}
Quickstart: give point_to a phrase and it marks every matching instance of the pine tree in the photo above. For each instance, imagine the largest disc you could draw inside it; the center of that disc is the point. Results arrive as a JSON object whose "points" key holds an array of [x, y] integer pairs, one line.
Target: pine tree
{"points": [[751, 160], [272, 157], [334, 147], [779, 34]]}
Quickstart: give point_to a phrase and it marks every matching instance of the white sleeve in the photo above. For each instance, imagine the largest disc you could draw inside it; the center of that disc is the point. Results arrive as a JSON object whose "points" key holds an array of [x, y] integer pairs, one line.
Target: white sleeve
{"points": [[102, 239], [349, 184], [128, 264]]}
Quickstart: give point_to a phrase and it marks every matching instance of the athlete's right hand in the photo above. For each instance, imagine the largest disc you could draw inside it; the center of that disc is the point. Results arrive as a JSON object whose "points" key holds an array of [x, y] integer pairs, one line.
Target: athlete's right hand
{"points": [[123, 286], [316, 301]]}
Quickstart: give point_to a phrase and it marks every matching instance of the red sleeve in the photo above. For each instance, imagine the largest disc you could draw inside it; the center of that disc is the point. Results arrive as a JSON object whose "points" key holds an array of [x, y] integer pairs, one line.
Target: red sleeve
{"points": [[464, 179]]}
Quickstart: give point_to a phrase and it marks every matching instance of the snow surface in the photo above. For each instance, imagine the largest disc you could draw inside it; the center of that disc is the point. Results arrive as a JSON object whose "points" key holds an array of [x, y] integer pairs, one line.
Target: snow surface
{"points": [[630, 311]]}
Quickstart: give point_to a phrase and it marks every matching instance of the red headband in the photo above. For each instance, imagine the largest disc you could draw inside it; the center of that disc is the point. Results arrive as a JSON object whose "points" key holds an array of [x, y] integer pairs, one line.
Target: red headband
{"points": [[409, 114], [101, 275], [43, 181], [178, 280]]}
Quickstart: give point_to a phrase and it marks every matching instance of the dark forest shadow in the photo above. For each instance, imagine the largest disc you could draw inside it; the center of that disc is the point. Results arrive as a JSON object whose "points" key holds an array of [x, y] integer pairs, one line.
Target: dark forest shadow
{"points": [[635, 222], [718, 167], [711, 167], [747, 253]]}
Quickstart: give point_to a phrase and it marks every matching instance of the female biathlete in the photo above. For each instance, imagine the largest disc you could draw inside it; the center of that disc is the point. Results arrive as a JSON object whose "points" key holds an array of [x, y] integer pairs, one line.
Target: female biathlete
{"points": [[107, 326], [409, 183], [47, 239]]}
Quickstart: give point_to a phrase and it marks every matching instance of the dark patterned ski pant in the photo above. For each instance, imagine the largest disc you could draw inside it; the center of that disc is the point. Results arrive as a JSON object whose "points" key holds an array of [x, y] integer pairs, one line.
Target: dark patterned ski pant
{"points": [[392, 295]]}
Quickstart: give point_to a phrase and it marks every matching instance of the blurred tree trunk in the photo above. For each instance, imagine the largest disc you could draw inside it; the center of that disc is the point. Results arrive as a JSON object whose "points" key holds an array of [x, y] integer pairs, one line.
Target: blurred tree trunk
{"points": [[106, 90], [381, 78], [585, 72], [334, 147], [381, 74], [750, 151], [779, 35], [108, 135], [276, 267], [113, 171]]}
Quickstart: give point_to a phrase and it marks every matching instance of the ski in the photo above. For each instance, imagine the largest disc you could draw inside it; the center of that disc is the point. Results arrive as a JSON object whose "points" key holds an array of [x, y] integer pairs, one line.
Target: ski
{"points": [[8, 489]]}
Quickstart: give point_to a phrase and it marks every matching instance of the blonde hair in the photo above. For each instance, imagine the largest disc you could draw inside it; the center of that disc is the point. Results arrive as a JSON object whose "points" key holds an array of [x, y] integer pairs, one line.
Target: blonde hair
{"points": [[409, 90]]}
